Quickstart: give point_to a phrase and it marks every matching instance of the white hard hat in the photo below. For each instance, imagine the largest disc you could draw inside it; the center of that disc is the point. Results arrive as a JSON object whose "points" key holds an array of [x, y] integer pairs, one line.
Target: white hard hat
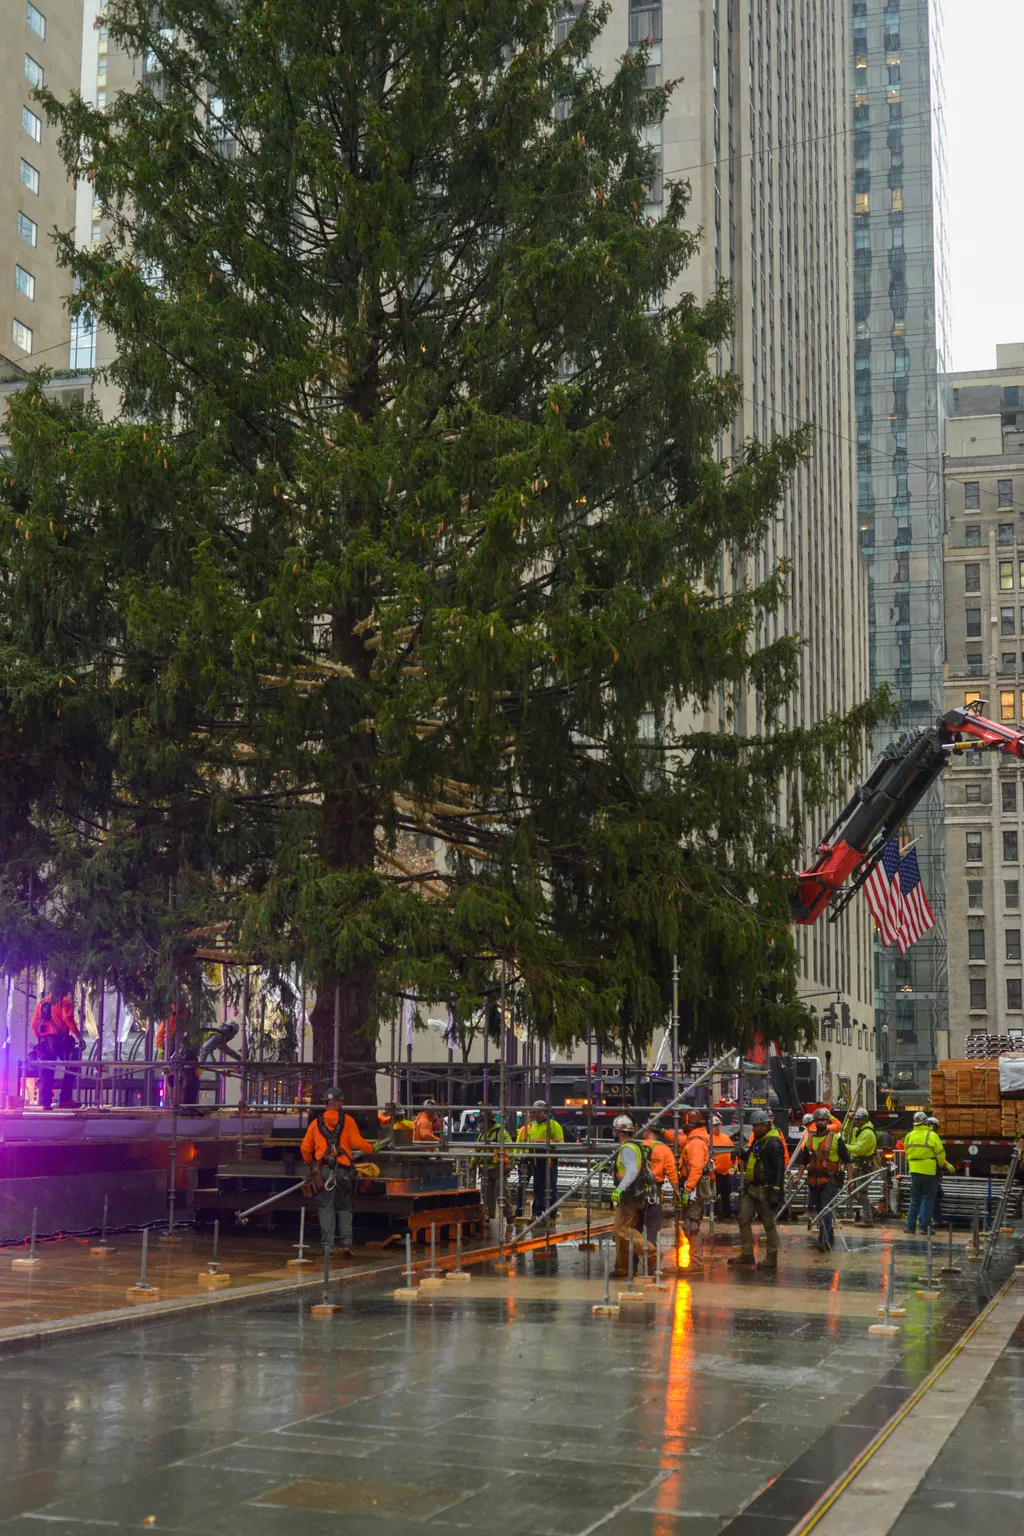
{"points": [[539, 1104], [920, 1118], [623, 1123], [716, 1119], [860, 1114], [808, 1119]]}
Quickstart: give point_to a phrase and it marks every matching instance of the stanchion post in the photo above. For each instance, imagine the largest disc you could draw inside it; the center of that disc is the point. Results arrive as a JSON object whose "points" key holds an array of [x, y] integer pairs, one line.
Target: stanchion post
{"points": [[102, 1248], [433, 1281], [458, 1274], [931, 1291], [950, 1268], [326, 1308], [975, 1255], [607, 1307], [407, 1291], [886, 1328], [30, 1260], [142, 1290], [213, 1276]]}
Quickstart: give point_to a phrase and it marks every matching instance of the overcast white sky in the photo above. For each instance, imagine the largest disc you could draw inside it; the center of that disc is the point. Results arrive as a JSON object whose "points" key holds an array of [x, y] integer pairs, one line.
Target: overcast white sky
{"points": [[984, 59]]}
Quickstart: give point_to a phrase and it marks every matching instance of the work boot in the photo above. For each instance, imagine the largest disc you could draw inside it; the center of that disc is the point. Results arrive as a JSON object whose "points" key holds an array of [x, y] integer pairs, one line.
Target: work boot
{"points": [[747, 1260], [770, 1262], [347, 1253], [823, 1247]]}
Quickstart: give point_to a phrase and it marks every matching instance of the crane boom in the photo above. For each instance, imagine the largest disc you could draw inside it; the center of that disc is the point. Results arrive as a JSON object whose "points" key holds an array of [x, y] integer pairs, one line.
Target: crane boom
{"points": [[905, 771]]}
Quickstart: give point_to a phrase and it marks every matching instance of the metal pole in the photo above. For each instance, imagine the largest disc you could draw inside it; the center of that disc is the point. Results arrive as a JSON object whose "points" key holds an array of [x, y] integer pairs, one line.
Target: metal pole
{"points": [[327, 1275], [929, 1282], [302, 1234], [675, 1087], [99, 1044], [433, 1241], [408, 1260], [32, 1240], [337, 1033], [214, 1265], [103, 1226], [607, 1278], [391, 1063], [501, 1123], [143, 1278], [458, 1247]]}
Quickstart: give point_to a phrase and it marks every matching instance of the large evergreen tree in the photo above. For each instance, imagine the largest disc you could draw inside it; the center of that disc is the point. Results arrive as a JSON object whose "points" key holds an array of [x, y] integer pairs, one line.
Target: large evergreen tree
{"points": [[409, 537]]}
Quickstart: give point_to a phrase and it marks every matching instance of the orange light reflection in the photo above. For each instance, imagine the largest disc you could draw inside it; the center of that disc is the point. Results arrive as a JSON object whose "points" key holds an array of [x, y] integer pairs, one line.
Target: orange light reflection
{"points": [[683, 1256], [670, 1495]]}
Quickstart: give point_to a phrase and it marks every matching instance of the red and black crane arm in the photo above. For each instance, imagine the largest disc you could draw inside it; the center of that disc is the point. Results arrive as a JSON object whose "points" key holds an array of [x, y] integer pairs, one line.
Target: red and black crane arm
{"points": [[906, 770]]}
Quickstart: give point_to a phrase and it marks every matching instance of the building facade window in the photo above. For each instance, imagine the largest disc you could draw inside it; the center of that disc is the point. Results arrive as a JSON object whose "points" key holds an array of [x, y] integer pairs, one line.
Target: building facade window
{"points": [[29, 177], [22, 336], [975, 943], [972, 623], [978, 993], [36, 20], [1008, 705], [972, 495], [1006, 575], [1013, 993], [33, 71], [1004, 492], [1005, 533], [24, 282], [972, 535], [974, 663], [973, 844], [28, 229], [31, 124], [1009, 794], [972, 577], [1013, 943], [972, 794], [1010, 853], [1007, 621], [1011, 895], [975, 895]]}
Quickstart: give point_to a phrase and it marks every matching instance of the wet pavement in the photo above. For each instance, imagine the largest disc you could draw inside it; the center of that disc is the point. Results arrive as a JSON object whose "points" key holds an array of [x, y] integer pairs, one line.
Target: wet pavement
{"points": [[726, 1406]]}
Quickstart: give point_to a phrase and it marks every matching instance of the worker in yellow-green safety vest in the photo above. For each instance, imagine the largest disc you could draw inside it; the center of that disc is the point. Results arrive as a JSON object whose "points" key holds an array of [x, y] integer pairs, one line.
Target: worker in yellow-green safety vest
{"points": [[495, 1169], [634, 1190], [763, 1171], [542, 1132], [863, 1144], [925, 1156]]}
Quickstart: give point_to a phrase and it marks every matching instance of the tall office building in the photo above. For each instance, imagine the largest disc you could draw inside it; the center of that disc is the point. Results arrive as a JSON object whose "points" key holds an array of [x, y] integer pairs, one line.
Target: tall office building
{"points": [[900, 344], [984, 575], [39, 44], [758, 123]]}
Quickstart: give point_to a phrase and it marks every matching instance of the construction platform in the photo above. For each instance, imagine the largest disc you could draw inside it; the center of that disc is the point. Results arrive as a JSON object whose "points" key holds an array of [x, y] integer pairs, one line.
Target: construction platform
{"points": [[733, 1403]]}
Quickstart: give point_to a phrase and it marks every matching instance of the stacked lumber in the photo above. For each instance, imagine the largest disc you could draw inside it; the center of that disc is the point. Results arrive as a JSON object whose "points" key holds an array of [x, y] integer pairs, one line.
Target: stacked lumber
{"points": [[967, 1103]]}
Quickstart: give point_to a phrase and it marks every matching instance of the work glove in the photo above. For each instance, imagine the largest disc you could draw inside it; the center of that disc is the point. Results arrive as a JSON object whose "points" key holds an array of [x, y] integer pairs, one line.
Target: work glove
{"points": [[684, 1199], [616, 1197], [774, 1199]]}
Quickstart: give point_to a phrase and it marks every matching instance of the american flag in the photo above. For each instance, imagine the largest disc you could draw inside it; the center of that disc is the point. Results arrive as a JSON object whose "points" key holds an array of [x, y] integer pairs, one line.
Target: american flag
{"points": [[917, 914], [882, 889]]}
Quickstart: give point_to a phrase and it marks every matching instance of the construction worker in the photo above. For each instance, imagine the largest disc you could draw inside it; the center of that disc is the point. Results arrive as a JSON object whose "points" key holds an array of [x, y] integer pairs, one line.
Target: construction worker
{"points": [[58, 1038], [724, 1156], [925, 1156], [331, 1147], [863, 1156], [825, 1156], [695, 1180], [663, 1169], [933, 1123], [632, 1193], [490, 1165], [423, 1128], [763, 1172], [541, 1131]]}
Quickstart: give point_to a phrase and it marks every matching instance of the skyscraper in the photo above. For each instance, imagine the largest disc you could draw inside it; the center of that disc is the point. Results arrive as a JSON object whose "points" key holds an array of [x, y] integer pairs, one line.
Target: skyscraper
{"points": [[39, 44], [900, 286], [758, 124]]}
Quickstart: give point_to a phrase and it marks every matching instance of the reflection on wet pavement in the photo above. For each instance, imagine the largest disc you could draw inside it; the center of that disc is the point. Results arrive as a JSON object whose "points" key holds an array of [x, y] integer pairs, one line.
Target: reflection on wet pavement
{"points": [[728, 1404]]}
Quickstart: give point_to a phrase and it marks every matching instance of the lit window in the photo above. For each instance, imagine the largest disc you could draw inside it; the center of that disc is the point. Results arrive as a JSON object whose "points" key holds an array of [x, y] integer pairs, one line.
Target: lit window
{"points": [[970, 698], [31, 124], [1006, 575], [862, 203], [897, 199], [1007, 705], [30, 177], [33, 70], [28, 229], [972, 495], [24, 282], [22, 336], [36, 20]]}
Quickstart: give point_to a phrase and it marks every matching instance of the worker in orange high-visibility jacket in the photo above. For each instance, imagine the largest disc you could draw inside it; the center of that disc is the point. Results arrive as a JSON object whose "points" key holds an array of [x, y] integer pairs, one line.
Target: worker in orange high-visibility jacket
{"points": [[58, 1038], [694, 1171], [663, 1168], [331, 1148], [423, 1125]]}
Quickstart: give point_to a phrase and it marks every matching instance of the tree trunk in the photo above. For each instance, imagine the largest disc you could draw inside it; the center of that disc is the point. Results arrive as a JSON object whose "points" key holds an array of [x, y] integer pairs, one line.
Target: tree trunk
{"points": [[357, 1049]]}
